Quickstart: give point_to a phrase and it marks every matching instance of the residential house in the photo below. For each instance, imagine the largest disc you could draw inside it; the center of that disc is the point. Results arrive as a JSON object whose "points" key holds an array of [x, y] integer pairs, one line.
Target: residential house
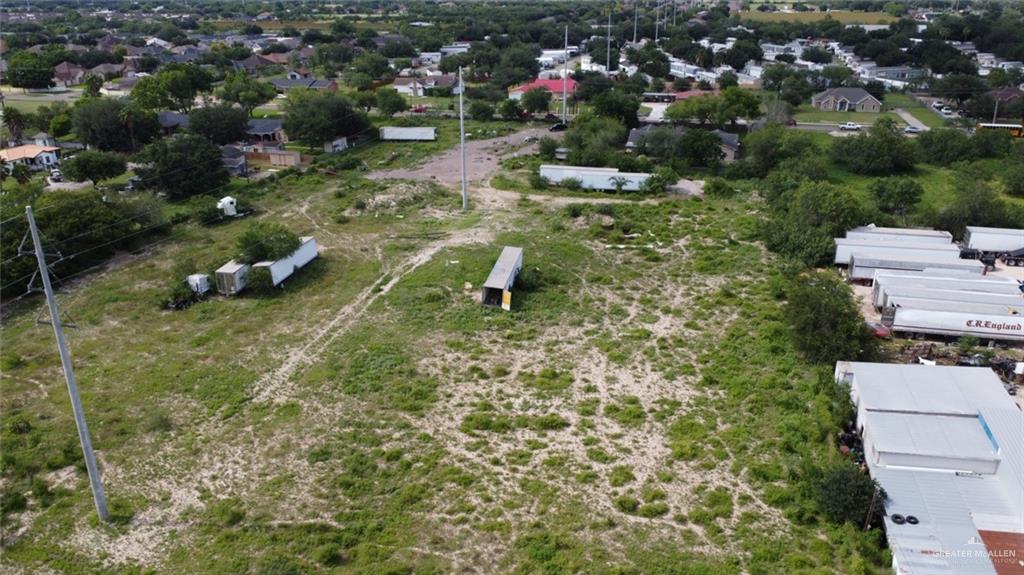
{"points": [[107, 71], [730, 143], [44, 140], [234, 161], [266, 130], [171, 122], [120, 86], [35, 157], [286, 84], [279, 58], [253, 64], [555, 86], [418, 86], [107, 43], [68, 74], [384, 39], [300, 74], [160, 43], [1005, 95], [846, 100], [454, 48]]}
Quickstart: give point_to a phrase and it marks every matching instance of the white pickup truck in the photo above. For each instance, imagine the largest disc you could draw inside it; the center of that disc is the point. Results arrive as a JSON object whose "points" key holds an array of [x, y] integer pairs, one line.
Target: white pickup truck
{"points": [[850, 127]]}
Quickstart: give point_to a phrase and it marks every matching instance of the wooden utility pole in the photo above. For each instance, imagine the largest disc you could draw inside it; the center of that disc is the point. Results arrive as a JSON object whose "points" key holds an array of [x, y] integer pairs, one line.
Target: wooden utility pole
{"points": [[99, 498]]}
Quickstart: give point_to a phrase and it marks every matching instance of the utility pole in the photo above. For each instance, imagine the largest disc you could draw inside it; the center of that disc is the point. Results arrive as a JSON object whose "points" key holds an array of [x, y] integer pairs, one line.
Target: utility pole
{"points": [[608, 46], [565, 76], [462, 143], [995, 112], [657, 20], [636, 14], [69, 375]]}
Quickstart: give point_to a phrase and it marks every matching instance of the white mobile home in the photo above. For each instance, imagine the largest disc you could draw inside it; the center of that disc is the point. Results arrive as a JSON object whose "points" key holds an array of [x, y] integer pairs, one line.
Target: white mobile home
{"points": [[497, 290], [595, 178], [417, 134]]}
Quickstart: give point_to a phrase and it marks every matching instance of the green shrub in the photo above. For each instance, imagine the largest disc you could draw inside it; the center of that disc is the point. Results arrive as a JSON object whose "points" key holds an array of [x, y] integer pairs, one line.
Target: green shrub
{"points": [[627, 504], [538, 182], [620, 475], [572, 184], [718, 188]]}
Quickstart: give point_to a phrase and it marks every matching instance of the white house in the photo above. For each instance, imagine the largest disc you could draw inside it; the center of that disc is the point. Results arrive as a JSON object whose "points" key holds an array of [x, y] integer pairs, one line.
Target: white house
{"points": [[34, 156]]}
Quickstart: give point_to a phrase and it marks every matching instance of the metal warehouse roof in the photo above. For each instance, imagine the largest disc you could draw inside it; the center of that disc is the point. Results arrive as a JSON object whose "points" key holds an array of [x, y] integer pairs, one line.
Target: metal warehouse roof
{"points": [[925, 429], [503, 268]]}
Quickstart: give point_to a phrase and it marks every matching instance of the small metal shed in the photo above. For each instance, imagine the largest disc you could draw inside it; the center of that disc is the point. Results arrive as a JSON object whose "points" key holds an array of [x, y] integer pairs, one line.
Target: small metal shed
{"points": [[497, 290]]}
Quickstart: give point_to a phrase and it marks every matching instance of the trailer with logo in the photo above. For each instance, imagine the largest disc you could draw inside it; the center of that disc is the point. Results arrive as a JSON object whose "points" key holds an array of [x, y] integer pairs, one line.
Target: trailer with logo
{"points": [[497, 290], [954, 324]]}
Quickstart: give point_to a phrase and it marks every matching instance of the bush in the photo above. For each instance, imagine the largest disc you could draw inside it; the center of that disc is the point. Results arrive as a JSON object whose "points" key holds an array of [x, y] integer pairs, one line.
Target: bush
{"points": [[844, 493], [538, 182], [572, 184], [827, 326], [547, 148], [627, 504], [263, 241], [718, 188]]}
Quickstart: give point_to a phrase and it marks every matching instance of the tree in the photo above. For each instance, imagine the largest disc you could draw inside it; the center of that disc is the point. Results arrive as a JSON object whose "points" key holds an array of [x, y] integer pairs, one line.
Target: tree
{"points": [[365, 100], [536, 100], [1012, 178], [816, 55], [390, 102], [94, 166], [943, 146], [827, 325], [959, 87], [481, 111], [699, 148], [113, 125], [883, 150], [92, 83], [21, 173], [29, 71], [175, 87], [737, 103], [896, 195], [315, 117], [221, 124], [845, 494], [246, 91], [15, 121], [263, 241], [510, 109], [183, 166], [547, 147], [619, 105], [803, 222], [728, 80]]}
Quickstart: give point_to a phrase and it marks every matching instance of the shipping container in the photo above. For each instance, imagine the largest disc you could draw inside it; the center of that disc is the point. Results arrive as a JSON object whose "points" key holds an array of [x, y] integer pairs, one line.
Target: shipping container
{"points": [[997, 240], [954, 324], [595, 178], [959, 306], [418, 134], [231, 277], [912, 234], [864, 266], [887, 281], [845, 248], [497, 289], [283, 268]]}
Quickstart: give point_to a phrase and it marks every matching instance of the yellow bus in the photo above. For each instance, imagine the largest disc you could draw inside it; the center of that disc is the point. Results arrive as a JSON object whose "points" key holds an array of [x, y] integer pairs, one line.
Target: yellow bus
{"points": [[1015, 130]]}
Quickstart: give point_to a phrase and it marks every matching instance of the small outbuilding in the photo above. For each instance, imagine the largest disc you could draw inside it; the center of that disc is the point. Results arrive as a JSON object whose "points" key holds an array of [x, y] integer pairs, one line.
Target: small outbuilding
{"points": [[497, 290]]}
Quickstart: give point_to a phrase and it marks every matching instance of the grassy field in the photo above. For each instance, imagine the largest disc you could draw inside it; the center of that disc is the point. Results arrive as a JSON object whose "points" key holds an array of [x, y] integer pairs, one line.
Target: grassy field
{"points": [[806, 113], [841, 16], [640, 410]]}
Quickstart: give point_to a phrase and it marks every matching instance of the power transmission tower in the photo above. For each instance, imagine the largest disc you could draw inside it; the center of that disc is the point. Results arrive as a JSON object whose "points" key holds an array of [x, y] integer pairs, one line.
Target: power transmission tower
{"points": [[69, 375]]}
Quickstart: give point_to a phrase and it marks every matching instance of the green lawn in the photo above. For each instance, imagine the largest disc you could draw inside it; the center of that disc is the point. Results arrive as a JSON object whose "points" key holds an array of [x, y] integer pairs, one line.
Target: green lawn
{"points": [[915, 108], [806, 113]]}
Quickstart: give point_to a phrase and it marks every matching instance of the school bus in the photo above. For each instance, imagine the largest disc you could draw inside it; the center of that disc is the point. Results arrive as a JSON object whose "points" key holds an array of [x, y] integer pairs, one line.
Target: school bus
{"points": [[1015, 130]]}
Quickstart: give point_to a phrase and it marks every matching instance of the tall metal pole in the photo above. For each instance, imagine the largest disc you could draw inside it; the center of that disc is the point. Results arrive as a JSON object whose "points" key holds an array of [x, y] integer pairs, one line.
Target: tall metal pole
{"points": [[657, 20], [636, 14], [608, 46], [565, 76], [995, 112], [69, 375], [462, 143]]}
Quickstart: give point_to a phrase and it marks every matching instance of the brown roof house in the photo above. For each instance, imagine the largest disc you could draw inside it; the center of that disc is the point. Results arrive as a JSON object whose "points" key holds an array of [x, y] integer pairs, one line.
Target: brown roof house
{"points": [[68, 74], [846, 100]]}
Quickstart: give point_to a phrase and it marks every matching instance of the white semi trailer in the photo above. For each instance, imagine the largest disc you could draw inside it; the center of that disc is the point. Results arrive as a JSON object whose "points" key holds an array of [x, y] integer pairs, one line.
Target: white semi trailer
{"points": [[885, 284], [909, 302], [283, 268], [900, 234], [415, 134], [993, 240], [845, 248], [865, 266], [953, 298], [956, 324]]}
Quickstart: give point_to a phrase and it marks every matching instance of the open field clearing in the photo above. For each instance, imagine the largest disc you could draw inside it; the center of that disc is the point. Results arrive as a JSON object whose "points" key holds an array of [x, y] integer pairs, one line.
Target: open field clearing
{"points": [[641, 409]]}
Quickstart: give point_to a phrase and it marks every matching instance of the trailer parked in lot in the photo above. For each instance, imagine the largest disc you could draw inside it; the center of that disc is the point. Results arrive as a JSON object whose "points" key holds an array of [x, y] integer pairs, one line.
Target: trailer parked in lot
{"points": [[993, 240], [955, 324], [952, 297], [497, 289], [885, 283], [865, 266], [845, 248], [417, 134], [283, 268], [231, 277], [595, 178], [960, 306], [873, 232]]}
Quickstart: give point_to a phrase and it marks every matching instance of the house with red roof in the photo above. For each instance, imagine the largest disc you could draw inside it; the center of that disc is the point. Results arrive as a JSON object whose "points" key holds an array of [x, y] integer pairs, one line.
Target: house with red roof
{"points": [[554, 85]]}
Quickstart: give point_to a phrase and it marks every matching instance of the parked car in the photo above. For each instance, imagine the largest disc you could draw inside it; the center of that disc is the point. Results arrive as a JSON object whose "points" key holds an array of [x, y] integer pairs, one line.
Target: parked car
{"points": [[912, 130], [420, 109], [559, 127], [850, 127], [946, 111], [938, 104], [549, 117], [56, 176]]}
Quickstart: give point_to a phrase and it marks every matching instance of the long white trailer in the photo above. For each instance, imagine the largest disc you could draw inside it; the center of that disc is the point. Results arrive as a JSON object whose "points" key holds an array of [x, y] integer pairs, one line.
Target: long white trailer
{"points": [[595, 178], [414, 134], [955, 324], [996, 240], [283, 268], [907, 234], [885, 283], [865, 266], [953, 298], [904, 302], [845, 248]]}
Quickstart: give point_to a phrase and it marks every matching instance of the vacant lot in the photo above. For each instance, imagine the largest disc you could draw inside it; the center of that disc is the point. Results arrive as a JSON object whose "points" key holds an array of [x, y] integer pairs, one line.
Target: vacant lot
{"points": [[640, 409]]}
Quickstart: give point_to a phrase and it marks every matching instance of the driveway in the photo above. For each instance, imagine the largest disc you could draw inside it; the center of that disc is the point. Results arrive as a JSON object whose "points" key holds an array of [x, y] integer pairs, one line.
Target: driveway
{"points": [[910, 119], [657, 111]]}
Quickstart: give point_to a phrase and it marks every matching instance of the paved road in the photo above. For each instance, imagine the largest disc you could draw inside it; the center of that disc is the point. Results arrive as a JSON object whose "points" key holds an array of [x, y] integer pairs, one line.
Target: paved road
{"points": [[910, 119], [657, 111]]}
